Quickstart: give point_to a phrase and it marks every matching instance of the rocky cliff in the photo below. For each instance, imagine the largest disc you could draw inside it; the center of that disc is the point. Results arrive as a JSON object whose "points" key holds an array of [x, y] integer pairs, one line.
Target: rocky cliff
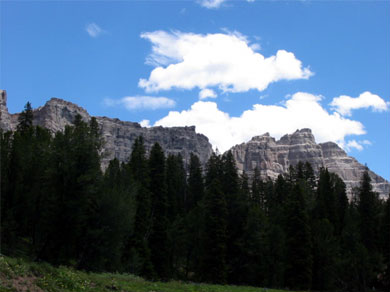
{"points": [[270, 156], [118, 135], [273, 157]]}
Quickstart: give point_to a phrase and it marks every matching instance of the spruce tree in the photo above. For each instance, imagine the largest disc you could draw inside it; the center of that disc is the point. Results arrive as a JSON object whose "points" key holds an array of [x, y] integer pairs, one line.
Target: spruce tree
{"points": [[298, 253], [158, 241], [213, 267], [136, 257], [195, 183]]}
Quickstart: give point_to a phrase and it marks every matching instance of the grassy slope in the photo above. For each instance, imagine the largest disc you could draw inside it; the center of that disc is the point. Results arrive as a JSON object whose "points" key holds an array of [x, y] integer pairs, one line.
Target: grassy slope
{"points": [[19, 275]]}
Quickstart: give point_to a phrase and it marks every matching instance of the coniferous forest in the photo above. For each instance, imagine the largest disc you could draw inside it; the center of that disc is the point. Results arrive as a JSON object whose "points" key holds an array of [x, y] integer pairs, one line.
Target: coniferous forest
{"points": [[156, 217]]}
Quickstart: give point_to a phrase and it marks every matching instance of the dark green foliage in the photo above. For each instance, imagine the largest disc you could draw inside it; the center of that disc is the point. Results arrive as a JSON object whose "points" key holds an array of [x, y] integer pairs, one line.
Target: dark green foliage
{"points": [[214, 235], [298, 254], [153, 218], [368, 207], [25, 118], [158, 240], [195, 189]]}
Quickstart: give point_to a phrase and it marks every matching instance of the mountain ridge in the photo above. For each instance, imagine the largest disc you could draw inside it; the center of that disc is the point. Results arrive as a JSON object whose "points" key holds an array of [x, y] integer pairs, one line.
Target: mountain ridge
{"points": [[271, 156]]}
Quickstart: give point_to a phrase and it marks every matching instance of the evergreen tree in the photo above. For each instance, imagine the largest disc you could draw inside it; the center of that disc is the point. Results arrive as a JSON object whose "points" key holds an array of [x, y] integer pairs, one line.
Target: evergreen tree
{"points": [[158, 241], [25, 118], [237, 206], [298, 254], [136, 257], [385, 231], [176, 185], [213, 267], [195, 183], [195, 195], [108, 223], [258, 195], [368, 207]]}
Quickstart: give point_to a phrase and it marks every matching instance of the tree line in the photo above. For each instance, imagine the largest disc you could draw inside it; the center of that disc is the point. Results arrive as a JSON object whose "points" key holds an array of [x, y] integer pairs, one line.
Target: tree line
{"points": [[155, 217]]}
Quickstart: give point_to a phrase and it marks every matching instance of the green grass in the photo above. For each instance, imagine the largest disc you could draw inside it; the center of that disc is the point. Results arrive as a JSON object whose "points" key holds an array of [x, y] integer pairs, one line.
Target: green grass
{"points": [[20, 275]]}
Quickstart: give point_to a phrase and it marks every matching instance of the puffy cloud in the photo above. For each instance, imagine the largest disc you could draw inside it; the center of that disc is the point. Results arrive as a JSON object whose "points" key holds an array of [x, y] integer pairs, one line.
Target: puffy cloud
{"points": [[224, 60], [211, 3], [207, 93], [141, 102], [301, 110], [93, 30], [345, 104], [145, 123], [358, 145]]}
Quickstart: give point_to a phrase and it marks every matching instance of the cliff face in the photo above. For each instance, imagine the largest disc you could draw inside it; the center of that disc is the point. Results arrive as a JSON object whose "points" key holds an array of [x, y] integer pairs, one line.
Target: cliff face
{"points": [[274, 157], [270, 156], [119, 136], [5, 117]]}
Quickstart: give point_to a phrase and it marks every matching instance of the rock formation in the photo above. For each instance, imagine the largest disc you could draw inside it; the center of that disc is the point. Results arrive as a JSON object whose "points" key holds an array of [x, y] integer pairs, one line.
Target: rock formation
{"points": [[5, 117], [273, 157], [270, 156], [118, 135]]}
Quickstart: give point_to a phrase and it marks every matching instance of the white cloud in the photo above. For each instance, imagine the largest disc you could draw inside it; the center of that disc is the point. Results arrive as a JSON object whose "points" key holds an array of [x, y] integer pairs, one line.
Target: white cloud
{"points": [[211, 3], [141, 102], [145, 123], [93, 30], [223, 60], [207, 93], [301, 110], [345, 104], [358, 145]]}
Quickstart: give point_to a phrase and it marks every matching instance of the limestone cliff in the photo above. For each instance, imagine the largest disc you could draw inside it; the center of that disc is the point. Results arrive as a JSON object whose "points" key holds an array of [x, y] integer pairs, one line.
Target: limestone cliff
{"points": [[274, 157]]}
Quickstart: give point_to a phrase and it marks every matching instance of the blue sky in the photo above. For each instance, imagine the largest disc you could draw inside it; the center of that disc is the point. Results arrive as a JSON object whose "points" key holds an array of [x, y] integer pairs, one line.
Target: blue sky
{"points": [[235, 69]]}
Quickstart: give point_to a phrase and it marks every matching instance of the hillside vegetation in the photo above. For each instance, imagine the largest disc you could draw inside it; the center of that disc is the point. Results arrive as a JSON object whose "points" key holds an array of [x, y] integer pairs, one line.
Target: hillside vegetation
{"points": [[19, 275], [160, 219]]}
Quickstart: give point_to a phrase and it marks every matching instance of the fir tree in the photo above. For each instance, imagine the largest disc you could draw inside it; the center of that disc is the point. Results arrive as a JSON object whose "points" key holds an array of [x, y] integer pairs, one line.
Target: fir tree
{"points": [[213, 267], [158, 241], [299, 259]]}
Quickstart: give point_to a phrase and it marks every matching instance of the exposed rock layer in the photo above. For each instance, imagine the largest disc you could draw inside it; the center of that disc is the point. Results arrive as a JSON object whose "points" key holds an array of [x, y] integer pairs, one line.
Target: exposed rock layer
{"points": [[273, 157], [270, 156], [119, 136]]}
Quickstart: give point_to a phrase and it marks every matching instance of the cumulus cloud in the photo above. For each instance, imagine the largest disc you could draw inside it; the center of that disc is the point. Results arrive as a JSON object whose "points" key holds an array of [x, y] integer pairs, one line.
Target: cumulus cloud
{"points": [[207, 93], [211, 3], [227, 61], [145, 123], [358, 145], [345, 104], [301, 110], [141, 102], [93, 30]]}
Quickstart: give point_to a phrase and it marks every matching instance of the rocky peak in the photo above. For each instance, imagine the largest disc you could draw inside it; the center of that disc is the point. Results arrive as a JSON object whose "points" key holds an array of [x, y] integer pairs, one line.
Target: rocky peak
{"points": [[118, 135], [5, 117], [303, 136], [265, 138], [58, 113], [274, 158]]}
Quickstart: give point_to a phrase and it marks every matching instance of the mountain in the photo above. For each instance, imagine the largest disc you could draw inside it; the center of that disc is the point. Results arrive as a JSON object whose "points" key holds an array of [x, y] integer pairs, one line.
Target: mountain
{"points": [[273, 157], [118, 135], [270, 156]]}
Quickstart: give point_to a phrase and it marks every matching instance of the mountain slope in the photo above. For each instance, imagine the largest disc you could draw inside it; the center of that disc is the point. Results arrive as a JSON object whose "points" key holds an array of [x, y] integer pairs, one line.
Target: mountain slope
{"points": [[274, 157], [270, 156]]}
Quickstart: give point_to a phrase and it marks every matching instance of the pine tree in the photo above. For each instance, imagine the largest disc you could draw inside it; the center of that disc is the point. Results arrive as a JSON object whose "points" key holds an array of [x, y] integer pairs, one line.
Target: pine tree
{"points": [[299, 258], [213, 267], [136, 257], [195, 183], [368, 203], [158, 241], [25, 118]]}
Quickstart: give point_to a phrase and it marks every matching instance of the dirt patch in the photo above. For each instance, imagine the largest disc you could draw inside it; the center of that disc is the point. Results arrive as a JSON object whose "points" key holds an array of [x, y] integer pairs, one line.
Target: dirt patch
{"points": [[25, 284]]}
